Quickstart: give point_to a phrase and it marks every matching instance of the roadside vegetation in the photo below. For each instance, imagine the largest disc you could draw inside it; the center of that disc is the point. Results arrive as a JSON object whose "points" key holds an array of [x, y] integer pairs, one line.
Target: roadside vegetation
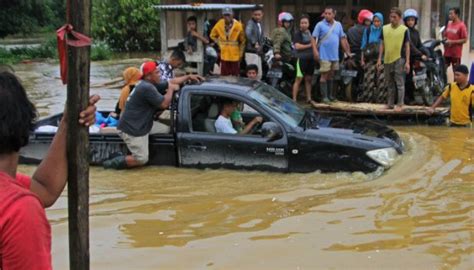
{"points": [[117, 26]]}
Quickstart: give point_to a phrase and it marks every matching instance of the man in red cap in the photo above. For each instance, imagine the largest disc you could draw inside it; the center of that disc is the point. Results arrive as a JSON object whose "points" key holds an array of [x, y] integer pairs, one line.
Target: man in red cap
{"points": [[136, 122]]}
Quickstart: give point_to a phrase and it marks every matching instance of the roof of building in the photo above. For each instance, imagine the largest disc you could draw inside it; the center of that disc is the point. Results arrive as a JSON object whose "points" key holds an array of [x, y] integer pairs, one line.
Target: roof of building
{"points": [[203, 7]]}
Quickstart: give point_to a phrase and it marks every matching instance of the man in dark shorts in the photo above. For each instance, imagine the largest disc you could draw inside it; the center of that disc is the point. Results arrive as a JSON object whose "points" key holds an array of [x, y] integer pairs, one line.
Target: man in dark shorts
{"points": [[456, 36]]}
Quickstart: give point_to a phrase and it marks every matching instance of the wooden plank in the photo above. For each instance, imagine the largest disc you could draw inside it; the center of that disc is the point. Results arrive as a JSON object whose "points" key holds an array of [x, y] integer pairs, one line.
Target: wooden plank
{"points": [[78, 139], [377, 109]]}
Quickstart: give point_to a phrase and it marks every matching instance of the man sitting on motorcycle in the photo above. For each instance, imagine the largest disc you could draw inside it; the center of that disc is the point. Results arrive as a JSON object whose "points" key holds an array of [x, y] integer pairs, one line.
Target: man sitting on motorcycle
{"points": [[354, 37], [461, 94], [355, 33], [281, 38], [410, 17]]}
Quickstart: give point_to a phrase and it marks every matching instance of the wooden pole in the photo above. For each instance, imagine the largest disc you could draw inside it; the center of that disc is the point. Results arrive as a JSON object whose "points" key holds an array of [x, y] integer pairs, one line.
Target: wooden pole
{"points": [[79, 14], [200, 46], [163, 33]]}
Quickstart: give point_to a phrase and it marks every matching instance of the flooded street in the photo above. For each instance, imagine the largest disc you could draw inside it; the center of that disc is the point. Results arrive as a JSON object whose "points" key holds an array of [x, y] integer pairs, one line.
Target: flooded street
{"points": [[417, 215]]}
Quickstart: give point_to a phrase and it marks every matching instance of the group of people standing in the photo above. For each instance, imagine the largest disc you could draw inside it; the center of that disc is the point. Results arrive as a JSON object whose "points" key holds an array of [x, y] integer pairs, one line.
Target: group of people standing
{"points": [[393, 47]]}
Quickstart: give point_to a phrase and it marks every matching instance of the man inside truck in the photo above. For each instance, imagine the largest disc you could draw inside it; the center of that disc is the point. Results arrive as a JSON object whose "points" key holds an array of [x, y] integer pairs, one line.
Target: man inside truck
{"points": [[223, 123]]}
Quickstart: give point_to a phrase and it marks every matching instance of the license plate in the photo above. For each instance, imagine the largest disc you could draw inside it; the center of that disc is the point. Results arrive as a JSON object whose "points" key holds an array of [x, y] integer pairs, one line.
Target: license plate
{"points": [[274, 74], [349, 73], [420, 77], [419, 84]]}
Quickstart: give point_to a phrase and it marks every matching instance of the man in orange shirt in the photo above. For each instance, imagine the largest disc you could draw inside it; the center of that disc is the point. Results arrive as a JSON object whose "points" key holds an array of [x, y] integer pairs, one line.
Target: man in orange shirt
{"points": [[25, 234]]}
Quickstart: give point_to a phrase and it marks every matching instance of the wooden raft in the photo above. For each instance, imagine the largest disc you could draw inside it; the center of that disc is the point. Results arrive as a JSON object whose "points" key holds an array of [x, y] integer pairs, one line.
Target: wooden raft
{"points": [[370, 109]]}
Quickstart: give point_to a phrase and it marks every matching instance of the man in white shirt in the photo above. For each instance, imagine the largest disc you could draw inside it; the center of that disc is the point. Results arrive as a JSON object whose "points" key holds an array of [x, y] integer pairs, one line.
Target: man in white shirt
{"points": [[223, 123]]}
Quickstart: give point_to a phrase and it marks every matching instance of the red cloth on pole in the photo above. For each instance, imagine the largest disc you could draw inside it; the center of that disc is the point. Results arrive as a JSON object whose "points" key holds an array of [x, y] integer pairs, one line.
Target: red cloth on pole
{"points": [[79, 40]]}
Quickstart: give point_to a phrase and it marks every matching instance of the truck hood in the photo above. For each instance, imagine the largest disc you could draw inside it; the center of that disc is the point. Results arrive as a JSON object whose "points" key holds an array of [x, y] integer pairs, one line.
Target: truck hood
{"points": [[372, 132]]}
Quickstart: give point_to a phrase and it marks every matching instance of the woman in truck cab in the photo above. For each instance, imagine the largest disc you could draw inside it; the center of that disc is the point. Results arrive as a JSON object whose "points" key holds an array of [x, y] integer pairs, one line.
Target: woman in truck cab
{"points": [[223, 123]]}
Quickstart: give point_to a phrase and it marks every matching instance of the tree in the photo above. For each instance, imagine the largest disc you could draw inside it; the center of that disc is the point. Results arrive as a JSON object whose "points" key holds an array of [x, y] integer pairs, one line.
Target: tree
{"points": [[28, 16], [127, 25]]}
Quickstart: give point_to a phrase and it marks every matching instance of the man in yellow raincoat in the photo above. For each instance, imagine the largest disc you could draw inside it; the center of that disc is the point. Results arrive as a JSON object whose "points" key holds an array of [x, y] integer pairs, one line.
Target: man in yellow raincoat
{"points": [[229, 34]]}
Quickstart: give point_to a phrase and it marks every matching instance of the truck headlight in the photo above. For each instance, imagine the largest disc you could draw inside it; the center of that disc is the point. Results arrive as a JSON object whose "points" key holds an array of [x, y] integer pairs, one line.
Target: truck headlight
{"points": [[385, 156]]}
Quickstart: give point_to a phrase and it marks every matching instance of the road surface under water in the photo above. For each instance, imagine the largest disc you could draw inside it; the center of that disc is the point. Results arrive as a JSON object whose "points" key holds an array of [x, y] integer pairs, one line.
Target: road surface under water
{"points": [[417, 215]]}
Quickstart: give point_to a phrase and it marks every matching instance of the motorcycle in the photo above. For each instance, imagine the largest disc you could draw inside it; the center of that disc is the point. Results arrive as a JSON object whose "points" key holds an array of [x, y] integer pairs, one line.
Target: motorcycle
{"points": [[429, 76], [281, 75], [347, 77], [435, 65]]}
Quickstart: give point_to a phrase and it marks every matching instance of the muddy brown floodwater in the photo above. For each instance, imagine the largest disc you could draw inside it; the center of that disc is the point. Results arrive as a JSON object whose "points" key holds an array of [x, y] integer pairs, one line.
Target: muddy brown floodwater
{"points": [[417, 215]]}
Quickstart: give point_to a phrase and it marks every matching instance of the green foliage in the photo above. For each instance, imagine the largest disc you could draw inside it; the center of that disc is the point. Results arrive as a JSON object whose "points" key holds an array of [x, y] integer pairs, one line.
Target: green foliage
{"points": [[46, 50], [6, 57], [127, 25], [28, 16], [100, 51]]}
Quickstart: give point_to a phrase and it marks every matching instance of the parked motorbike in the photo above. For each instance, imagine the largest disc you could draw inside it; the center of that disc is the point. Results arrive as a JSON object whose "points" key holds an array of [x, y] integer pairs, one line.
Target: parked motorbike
{"points": [[436, 70], [281, 75], [429, 76], [347, 77], [427, 83]]}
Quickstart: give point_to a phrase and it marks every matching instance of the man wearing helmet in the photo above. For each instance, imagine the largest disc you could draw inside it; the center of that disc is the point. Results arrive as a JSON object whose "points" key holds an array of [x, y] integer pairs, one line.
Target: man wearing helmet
{"points": [[328, 34], [354, 35], [281, 37], [410, 17]]}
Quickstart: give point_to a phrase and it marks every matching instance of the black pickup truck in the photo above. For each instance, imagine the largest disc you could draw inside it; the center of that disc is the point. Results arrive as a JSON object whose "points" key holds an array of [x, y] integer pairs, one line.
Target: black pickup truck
{"points": [[290, 139]]}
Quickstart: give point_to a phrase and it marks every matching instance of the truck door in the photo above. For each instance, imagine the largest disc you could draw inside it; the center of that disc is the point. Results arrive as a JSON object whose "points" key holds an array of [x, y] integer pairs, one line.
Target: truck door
{"points": [[203, 147]]}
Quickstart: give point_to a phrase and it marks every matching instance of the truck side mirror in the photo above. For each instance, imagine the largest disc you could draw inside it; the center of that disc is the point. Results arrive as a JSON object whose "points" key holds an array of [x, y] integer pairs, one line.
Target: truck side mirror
{"points": [[271, 131]]}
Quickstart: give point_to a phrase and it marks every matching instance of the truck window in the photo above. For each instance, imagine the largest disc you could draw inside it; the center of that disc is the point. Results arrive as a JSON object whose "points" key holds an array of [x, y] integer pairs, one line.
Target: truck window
{"points": [[206, 109]]}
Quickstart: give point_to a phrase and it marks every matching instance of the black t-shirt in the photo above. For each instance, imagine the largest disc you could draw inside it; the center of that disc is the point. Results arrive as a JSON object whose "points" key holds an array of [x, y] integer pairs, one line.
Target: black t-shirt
{"points": [[143, 102], [303, 38], [354, 37]]}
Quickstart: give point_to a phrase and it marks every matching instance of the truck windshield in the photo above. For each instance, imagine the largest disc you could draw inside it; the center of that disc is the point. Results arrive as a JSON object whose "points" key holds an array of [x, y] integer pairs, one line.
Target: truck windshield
{"points": [[287, 110]]}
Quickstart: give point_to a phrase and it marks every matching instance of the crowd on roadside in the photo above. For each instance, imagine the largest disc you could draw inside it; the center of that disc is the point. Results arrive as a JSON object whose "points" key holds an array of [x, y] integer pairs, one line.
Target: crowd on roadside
{"points": [[393, 48]]}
